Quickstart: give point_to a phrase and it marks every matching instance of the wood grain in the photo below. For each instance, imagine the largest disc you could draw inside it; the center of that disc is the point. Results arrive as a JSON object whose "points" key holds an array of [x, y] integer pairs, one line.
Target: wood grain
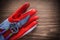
{"points": [[47, 28]]}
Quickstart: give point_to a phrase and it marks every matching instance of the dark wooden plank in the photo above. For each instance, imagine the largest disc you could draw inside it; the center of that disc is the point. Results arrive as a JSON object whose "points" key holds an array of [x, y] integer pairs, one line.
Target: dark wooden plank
{"points": [[47, 28]]}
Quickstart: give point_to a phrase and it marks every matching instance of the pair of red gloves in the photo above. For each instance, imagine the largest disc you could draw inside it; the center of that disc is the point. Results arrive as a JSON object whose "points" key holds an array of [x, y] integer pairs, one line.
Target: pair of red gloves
{"points": [[19, 23]]}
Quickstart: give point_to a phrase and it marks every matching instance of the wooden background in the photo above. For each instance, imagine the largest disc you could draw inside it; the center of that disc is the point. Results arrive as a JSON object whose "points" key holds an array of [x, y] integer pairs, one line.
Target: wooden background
{"points": [[48, 26]]}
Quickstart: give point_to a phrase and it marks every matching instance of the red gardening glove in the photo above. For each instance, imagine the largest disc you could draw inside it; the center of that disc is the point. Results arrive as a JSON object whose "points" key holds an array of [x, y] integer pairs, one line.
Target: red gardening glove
{"points": [[19, 15]]}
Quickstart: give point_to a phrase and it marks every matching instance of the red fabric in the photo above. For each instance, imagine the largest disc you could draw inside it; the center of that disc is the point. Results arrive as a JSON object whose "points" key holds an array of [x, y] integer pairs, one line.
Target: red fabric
{"points": [[19, 15]]}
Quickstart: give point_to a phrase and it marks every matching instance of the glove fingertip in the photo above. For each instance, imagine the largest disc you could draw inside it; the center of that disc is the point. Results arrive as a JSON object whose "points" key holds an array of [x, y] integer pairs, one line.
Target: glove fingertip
{"points": [[32, 12]]}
